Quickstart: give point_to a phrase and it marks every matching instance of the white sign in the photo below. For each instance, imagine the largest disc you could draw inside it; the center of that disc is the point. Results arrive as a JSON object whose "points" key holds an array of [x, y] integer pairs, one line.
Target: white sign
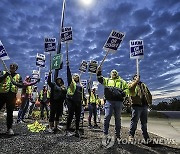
{"points": [[93, 66], [35, 74], [114, 40], [95, 84], [136, 49], [83, 66], [40, 60], [46, 77], [50, 44], [3, 53], [84, 84], [66, 34]]}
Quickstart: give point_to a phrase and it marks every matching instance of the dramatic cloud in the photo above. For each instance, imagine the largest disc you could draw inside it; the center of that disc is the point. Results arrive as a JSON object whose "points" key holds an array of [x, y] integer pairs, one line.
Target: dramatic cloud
{"points": [[25, 24]]}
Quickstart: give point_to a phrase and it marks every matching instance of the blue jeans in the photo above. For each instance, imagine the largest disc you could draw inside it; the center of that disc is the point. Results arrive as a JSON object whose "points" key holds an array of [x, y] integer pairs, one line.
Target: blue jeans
{"points": [[111, 106], [141, 113], [92, 111]]}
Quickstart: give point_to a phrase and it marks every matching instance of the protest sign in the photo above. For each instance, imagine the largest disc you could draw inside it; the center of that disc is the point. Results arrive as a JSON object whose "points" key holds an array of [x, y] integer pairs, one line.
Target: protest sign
{"points": [[84, 84], [114, 40], [3, 53], [66, 34], [93, 66], [50, 44], [83, 66], [136, 49], [40, 60], [35, 74]]}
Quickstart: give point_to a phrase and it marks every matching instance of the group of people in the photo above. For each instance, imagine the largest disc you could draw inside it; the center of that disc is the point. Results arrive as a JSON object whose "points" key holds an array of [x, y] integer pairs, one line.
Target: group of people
{"points": [[115, 90]]}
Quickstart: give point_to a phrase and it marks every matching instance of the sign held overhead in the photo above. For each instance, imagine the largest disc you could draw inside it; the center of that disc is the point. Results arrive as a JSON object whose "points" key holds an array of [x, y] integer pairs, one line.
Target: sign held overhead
{"points": [[83, 66], [3, 53], [114, 40], [50, 44], [136, 49], [66, 34], [40, 60]]}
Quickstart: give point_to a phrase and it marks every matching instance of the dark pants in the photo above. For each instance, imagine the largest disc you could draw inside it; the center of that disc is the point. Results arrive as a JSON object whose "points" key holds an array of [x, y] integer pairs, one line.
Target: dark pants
{"points": [[44, 105], [141, 113], [31, 108], [92, 111], [56, 110], [23, 108], [73, 108], [9, 99]]}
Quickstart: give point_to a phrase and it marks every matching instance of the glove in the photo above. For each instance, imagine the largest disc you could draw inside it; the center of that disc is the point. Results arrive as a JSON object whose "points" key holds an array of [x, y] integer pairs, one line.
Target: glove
{"points": [[8, 73]]}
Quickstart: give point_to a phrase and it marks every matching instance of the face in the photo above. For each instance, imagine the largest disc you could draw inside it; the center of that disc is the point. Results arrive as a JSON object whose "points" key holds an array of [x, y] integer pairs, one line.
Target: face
{"points": [[93, 90], [12, 68], [76, 78], [59, 82], [114, 74]]}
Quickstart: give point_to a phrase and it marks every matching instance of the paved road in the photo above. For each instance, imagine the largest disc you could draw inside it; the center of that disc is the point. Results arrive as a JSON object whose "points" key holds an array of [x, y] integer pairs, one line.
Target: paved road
{"points": [[164, 127]]}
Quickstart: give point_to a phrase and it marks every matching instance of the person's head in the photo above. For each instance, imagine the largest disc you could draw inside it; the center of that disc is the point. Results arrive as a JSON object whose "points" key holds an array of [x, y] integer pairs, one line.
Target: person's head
{"points": [[93, 89], [13, 67], [44, 87], [76, 77], [35, 88], [27, 78], [59, 81], [114, 74]]}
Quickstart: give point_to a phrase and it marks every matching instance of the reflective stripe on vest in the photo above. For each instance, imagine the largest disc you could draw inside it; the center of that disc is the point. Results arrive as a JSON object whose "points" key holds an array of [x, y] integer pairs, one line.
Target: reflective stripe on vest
{"points": [[6, 85], [92, 98], [41, 94]]}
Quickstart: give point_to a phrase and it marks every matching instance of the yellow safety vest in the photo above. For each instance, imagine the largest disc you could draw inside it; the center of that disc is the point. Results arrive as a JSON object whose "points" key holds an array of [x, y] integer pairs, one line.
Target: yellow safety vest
{"points": [[6, 85], [92, 98], [72, 88], [41, 94]]}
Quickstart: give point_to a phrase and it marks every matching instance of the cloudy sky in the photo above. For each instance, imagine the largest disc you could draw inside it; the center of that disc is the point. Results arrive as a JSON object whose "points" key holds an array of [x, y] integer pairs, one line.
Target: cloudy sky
{"points": [[24, 25]]}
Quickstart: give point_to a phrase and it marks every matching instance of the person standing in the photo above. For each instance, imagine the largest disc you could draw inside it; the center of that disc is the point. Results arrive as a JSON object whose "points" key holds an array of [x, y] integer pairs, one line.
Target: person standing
{"points": [[75, 97], [92, 106], [44, 98], [58, 95], [25, 96], [114, 92], [8, 93], [34, 98], [98, 102], [140, 98]]}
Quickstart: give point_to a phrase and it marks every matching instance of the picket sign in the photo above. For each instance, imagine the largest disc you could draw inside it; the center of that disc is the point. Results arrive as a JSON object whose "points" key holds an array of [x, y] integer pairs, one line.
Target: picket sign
{"points": [[136, 52], [113, 42], [50, 46]]}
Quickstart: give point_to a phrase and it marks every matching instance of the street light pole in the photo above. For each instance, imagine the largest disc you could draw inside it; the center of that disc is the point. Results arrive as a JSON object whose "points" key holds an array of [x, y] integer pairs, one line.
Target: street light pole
{"points": [[59, 42]]}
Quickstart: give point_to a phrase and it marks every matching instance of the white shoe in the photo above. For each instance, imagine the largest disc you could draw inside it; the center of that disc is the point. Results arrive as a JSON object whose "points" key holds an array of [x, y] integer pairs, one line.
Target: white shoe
{"points": [[104, 140], [69, 134], [10, 132], [50, 130]]}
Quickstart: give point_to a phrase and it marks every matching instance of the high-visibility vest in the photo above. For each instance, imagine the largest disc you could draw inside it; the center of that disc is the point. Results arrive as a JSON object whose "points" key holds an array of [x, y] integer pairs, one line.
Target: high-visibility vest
{"points": [[92, 98], [6, 85], [41, 94], [72, 88], [29, 90]]}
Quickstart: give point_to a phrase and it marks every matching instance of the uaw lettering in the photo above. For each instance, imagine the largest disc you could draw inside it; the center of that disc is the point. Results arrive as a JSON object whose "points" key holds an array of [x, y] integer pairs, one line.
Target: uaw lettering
{"points": [[93, 66], [136, 49], [35, 74], [66, 34], [3, 53], [83, 66], [50, 44], [114, 40]]}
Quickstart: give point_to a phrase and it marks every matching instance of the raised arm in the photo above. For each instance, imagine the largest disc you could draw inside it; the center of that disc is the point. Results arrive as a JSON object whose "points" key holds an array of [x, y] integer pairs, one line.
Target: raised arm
{"points": [[49, 80]]}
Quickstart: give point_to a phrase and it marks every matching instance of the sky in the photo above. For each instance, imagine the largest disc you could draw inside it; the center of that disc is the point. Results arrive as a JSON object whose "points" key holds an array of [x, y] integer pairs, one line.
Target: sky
{"points": [[24, 25]]}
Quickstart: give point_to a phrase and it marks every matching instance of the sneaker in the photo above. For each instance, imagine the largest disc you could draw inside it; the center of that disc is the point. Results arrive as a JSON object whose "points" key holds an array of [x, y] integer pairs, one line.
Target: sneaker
{"points": [[10, 132], [50, 130], [90, 126], [68, 133], [104, 140]]}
